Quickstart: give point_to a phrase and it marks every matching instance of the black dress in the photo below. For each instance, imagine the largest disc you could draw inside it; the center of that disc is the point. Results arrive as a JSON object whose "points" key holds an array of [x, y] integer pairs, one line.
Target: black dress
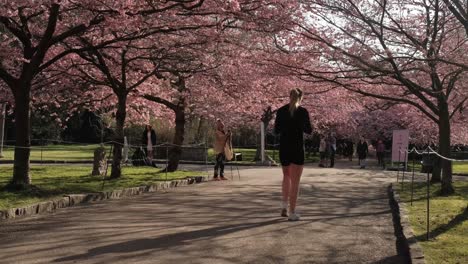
{"points": [[362, 150], [291, 130]]}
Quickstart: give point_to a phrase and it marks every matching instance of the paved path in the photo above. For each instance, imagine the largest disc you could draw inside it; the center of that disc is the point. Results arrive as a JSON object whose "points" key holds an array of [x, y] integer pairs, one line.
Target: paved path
{"points": [[345, 219]]}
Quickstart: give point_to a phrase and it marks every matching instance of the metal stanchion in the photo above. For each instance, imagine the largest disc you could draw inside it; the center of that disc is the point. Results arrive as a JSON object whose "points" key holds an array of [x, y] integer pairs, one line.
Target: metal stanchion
{"points": [[412, 182], [404, 170], [232, 174], [398, 169], [427, 203], [167, 160], [206, 162]]}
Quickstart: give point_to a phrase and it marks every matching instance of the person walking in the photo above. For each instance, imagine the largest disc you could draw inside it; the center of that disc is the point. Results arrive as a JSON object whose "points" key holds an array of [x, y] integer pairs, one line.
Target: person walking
{"points": [[380, 149], [349, 150], [148, 139], [362, 150], [291, 122], [332, 142], [221, 141], [323, 152]]}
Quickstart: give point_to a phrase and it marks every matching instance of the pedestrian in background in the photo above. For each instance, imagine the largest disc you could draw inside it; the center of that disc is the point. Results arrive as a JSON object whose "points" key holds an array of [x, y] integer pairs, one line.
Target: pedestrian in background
{"points": [[380, 149], [148, 139], [362, 151]]}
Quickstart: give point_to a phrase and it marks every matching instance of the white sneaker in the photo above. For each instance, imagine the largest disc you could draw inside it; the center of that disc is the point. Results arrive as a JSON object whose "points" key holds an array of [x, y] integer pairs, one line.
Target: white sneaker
{"points": [[294, 217]]}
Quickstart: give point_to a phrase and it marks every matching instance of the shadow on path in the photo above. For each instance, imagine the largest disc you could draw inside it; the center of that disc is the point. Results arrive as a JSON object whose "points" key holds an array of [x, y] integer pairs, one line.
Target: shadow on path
{"points": [[167, 241]]}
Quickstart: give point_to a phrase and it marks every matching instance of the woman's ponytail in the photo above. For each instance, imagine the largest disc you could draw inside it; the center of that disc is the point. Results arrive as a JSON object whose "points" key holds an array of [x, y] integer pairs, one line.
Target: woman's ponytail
{"points": [[295, 97]]}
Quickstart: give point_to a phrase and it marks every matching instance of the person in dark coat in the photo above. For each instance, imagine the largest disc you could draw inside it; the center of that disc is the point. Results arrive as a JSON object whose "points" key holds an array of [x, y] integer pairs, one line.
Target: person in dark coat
{"points": [[148, 140], [362, 150], [292, 121]]}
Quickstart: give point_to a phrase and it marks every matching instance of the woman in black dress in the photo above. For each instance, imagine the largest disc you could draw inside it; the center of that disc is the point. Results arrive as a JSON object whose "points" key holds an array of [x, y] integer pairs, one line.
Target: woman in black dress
{"points": [[292, 121], [362, 150]]}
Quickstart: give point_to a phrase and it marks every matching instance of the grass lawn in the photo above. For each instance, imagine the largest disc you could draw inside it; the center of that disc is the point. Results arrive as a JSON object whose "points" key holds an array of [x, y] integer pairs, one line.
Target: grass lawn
{"points": [[248, 155], [448, 222], [58, 152], [458, 167], [54, 181], [86, 152]]}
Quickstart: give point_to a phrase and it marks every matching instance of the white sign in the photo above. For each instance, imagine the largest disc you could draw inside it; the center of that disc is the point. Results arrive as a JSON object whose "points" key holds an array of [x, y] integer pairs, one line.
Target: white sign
{"points": [[399, 145]]}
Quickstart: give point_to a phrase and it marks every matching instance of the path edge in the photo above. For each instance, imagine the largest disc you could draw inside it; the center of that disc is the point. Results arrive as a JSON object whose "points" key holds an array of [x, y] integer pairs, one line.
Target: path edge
{"points": [[406, 241], [69, 200]]}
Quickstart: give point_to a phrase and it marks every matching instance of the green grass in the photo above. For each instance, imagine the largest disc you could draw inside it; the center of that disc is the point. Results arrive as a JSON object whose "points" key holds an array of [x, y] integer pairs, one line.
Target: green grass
{"points": [[448, 222], [248, 155], [58, 152], [458, 167], [54, 181], [86, 152]]}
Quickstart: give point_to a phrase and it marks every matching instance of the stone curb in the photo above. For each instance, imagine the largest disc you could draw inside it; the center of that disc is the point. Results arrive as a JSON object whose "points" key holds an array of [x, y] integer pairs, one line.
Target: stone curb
{"points": [[76, 199], [411, 245]]}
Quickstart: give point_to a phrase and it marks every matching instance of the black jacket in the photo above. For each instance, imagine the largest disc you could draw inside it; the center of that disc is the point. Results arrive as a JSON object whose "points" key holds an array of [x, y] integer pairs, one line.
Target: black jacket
{"points": [[144, 138], [362, 149], [292, 128]]}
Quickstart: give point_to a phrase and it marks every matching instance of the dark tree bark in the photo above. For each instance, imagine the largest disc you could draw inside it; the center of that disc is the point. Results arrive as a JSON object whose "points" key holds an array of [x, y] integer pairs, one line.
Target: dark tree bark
{"points": [[34, 49], [120, 117], [460, 11], [175, 152], [444, 148], [21, 173]]}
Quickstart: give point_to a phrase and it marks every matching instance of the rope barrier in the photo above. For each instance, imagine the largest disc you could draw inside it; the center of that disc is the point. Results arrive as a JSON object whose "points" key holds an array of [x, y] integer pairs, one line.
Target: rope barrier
{"points": [[429, 151]]}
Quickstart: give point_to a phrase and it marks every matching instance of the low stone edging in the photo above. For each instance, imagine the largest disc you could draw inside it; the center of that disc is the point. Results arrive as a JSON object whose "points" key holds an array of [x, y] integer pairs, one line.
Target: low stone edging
{"points": [[76, 199], [410, 243]]}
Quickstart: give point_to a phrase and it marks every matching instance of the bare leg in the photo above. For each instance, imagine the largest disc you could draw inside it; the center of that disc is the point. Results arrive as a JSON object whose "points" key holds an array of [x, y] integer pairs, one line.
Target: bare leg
{"points": [[286, 183], [296, 172]]}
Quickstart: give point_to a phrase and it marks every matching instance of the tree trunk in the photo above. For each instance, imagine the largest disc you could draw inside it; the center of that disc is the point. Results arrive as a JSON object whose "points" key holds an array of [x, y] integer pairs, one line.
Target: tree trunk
{"points": [[21, 176], [445, 150], [436, 170], [119, 137], [175, 152], [200, 135]]}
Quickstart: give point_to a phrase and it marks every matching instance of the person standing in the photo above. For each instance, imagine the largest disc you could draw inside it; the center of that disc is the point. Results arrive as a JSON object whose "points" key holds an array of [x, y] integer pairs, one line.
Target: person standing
{"points": [[323, 152], [221, 140], [148, 139], [332, 142], [362, 150], [291, 122], [380, 149], [349, 150]]}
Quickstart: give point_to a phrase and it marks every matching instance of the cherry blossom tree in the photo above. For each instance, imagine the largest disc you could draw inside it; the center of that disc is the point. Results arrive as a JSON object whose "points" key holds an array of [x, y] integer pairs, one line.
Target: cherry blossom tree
{"points": [[410, 52], [31, 35], [460, 11]]}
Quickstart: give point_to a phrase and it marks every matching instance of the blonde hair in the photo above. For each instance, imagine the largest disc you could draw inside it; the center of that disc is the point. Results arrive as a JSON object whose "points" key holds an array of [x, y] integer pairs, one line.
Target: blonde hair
{"points": [[295, 97]]}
